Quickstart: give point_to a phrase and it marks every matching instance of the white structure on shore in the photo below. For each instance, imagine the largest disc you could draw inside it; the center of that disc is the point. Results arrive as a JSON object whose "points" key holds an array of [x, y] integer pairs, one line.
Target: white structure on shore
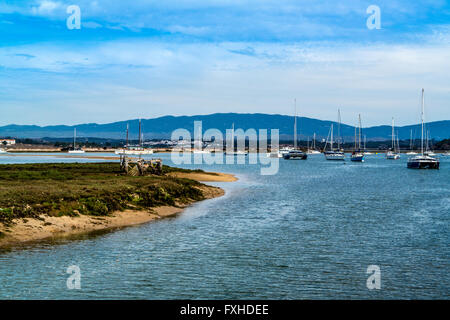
{"points": [[7, 142]]}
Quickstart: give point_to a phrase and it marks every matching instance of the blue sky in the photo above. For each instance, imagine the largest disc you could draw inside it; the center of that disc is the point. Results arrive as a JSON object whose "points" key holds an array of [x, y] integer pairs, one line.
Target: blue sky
{"points": [[146, 59]]}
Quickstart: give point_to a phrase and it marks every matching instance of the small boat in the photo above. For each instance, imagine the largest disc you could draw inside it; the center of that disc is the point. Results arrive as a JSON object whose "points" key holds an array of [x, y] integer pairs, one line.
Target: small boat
{"points": [[295, 153], [74, 148], [3, 151], [411, 145], [333, 154], [393, 154], [285, 150], [428, 152], [424, 160], [366, 153], [358, 155], [313, 150]]}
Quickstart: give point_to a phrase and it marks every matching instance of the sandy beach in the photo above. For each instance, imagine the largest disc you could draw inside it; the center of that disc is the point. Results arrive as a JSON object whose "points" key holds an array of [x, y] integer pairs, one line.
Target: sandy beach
{"points": [[48, 227]]}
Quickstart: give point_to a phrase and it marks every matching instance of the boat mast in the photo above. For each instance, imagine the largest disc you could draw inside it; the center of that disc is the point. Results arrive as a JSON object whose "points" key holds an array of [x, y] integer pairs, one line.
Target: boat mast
{"points": [[359, 145], [314, 141], [423, 102], [295, 123], [393, 135], [410, 140], [331, 142], [339, 129]]}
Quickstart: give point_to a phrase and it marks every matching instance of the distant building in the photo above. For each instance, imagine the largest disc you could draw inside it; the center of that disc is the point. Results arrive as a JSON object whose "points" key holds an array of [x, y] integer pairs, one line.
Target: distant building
{"points": [[8, 142]]}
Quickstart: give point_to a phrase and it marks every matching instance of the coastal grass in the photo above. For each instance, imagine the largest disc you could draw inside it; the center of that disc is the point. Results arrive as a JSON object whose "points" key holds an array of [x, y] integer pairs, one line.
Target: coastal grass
{"points": [[96, 189]]}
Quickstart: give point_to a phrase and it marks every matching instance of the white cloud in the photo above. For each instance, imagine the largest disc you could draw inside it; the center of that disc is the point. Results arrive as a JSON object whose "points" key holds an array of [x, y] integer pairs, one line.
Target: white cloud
{"points": [[46, 7], [157, 78]]}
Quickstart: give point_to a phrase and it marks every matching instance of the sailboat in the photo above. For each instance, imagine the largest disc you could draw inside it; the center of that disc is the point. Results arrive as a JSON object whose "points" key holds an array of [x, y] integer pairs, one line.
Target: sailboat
{"points": [[295, 154], [428, 152], [366, 153], [423, 161], [357, 155], [313, 150], [393, 153], [74, 148], [333, 154], [411, 147], [237, 152], [135, 149]]}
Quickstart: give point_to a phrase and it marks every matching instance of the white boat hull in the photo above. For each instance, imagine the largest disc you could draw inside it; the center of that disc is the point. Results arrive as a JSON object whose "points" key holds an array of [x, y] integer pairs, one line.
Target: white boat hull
{"points": [[76, 151], [337, 156], [392, 156], [133, 152]]}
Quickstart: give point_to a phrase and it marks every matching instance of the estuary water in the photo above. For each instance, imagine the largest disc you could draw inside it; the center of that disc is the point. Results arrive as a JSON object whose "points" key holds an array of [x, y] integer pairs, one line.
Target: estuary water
{"points": [[308, 232]]}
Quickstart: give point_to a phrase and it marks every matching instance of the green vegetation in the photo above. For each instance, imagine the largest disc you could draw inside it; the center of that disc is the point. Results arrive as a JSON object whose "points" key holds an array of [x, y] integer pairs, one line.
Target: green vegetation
{"points": [[29, 190]]}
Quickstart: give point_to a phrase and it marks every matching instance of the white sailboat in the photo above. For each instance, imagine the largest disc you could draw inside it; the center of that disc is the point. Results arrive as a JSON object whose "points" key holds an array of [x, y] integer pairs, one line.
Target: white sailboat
{"points": [[137, 149], [313, 150], [428, 152], [358, 155], [333, 154], [295, 153], [75, 149], [423, 161], [393, 153], [366, 153], [237, 152], [411, 152]]}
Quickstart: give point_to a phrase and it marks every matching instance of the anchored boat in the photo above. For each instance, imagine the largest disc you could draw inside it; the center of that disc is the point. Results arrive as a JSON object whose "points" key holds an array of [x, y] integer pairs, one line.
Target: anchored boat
{"points": [[295, 154], [75, 149], [393, 154], [423, 161], [333, 154], [358, 155]]}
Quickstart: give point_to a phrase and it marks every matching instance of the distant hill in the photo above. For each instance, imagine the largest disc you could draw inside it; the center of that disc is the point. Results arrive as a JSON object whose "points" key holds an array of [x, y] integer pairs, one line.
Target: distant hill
{"points": [[162, 127]]}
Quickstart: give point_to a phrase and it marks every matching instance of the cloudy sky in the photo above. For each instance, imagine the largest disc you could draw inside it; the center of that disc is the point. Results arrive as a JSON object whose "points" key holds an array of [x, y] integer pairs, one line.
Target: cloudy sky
{"points": [[150, 58]]}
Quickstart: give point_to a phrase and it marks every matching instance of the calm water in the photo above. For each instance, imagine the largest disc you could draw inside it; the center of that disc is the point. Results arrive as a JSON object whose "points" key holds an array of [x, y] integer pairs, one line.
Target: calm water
{"points": [[310, 231]]}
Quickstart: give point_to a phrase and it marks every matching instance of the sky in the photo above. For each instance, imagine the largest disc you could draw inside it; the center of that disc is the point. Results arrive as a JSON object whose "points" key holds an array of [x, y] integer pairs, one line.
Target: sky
{"points": [[145, 59]]}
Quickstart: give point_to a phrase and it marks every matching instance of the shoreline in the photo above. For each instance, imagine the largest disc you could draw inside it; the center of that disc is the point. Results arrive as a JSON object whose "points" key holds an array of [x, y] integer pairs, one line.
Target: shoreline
{"points": [[30, 230]]}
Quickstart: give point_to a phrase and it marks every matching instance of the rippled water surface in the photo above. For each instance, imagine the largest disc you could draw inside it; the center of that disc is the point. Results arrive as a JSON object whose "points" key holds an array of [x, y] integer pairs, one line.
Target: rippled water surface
{"points": [[310, 231]]}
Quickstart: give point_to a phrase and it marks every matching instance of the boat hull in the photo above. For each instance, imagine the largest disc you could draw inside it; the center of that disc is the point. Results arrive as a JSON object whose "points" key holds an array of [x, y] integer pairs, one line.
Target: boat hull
{"points": [[357, 158], [295, 156], [335, 156], [423, 164]]}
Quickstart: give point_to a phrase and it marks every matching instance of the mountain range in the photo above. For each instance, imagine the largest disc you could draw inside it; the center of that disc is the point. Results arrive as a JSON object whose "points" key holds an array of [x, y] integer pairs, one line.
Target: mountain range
{"points": [[162, 127]]}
